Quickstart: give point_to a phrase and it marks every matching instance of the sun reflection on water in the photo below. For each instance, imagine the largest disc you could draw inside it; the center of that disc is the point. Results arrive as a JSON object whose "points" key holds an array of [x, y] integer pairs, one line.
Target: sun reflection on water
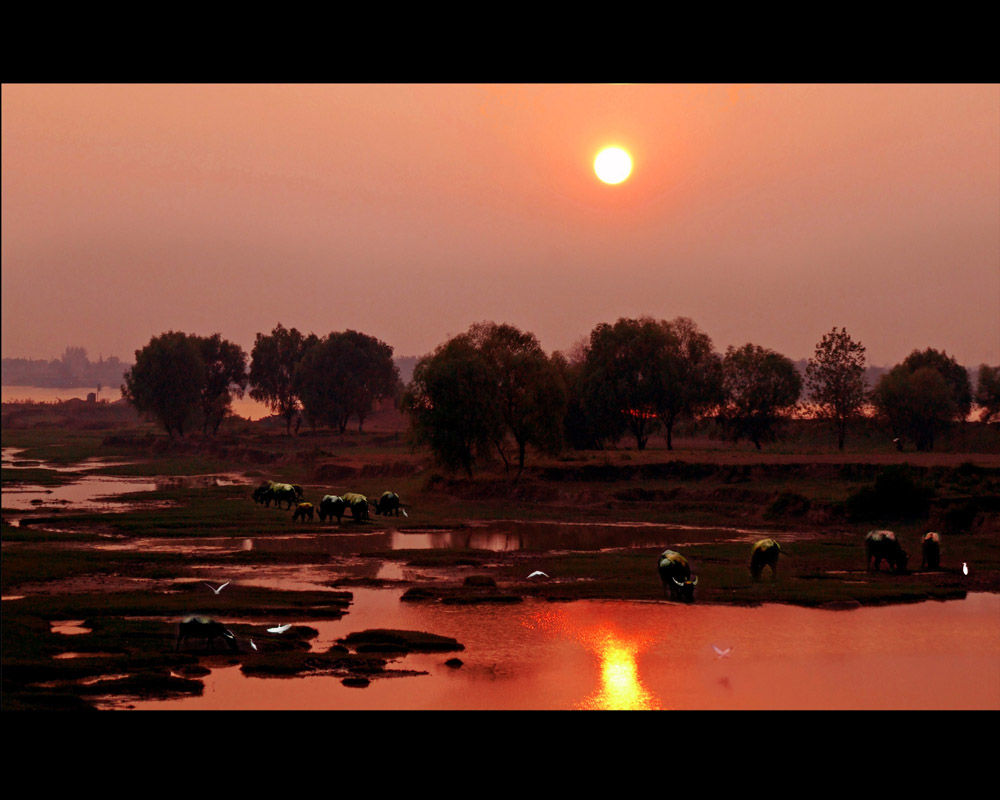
{"points": [[617, 653]]}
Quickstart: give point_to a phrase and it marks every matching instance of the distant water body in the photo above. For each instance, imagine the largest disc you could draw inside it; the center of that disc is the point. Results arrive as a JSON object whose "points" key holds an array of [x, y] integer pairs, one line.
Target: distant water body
{"points": [[245, 407]]}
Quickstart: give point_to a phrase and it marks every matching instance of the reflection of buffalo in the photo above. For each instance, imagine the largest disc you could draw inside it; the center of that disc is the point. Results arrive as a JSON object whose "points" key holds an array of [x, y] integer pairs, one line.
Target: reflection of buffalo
{"points": [[303, 510], [884, 545], [358, 504], [930, 551], [331, 506], [387, 503], [205, 628], [675, 573], [764, 554]]}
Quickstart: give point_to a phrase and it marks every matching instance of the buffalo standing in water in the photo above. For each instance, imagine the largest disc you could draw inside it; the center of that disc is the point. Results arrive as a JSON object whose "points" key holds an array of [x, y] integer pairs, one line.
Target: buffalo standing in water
{"points": [[675, 574], [205, 628], [764, 554], [881, 545], [930, 551]]}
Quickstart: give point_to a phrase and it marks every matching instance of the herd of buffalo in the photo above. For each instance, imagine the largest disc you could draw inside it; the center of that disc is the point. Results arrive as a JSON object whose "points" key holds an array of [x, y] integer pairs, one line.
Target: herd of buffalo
{"points": [[674, 569], [330, 506], [675, 572]]}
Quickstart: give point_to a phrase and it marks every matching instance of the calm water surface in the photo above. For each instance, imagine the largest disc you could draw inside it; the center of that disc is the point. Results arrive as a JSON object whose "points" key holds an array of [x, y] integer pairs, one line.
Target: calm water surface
{"points": [[627, 655], [609, 654]]}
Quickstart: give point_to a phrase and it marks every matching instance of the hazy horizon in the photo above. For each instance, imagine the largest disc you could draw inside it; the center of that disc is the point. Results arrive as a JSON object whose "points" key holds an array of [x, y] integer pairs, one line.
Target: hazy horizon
{"points": [[768, 214]]}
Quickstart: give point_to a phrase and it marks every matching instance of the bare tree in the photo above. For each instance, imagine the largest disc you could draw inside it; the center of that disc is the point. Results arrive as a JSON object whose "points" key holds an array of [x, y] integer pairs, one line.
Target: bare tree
{"points": [[835, 377]]}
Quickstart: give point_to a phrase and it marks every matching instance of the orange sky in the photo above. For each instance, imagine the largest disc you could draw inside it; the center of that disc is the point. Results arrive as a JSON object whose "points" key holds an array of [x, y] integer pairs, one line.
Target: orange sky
{"points": [[768, 214]]}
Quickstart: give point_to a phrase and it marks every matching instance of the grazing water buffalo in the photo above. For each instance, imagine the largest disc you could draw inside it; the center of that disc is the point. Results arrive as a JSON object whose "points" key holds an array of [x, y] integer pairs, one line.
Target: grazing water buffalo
{"points": [[205, 628], [261, 492], [281, 493], [764, 554], [884, 545], [303, 510], [358, 504], [331, 506], [930, 551], [387, 503], [675, 574]]}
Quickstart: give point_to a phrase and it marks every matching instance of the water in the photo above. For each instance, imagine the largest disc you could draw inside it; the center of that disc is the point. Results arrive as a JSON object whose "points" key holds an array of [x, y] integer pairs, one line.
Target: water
{"points": [[244, 406], [599, 654], [628, 655]]}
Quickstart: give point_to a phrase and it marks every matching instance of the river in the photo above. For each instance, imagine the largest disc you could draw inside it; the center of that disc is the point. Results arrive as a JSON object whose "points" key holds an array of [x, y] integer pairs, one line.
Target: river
{"points": [[623, 654]]}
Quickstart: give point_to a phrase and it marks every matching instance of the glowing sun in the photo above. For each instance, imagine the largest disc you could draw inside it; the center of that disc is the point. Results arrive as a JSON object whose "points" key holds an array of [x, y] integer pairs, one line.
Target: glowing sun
{"points": [[613, 165]]}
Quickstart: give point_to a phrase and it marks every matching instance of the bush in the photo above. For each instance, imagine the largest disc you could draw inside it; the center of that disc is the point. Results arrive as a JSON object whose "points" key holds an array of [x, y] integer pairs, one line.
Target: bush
{"points": [[897, 494]]}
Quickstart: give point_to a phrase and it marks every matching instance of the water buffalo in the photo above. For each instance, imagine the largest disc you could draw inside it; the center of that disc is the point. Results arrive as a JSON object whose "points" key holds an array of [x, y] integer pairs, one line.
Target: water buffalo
{"points": [[261, 492], [387, 503], [675, 574], [331, 506], [764, 554], [884, 545], [358, 504], [930, 551], [205, 628], [303, 510], [281, 493]]}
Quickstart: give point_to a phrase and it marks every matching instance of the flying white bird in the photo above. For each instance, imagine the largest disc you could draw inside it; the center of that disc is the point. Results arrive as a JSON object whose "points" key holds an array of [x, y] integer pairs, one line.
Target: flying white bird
{"points": [[279, 629], [537, 574], [253, 645], [214, 589], [965, 568], [722, 653]]}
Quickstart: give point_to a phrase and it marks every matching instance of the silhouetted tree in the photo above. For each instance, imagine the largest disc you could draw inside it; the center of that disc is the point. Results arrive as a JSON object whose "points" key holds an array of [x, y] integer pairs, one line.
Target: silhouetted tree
{"points": [[954, 374], [225, 376], [529, 392], [916, 403], [452, 405], [344, 375], [581, 429], [621, 381], [272, 370], [761, 387], [988, 393], [689, 375], [836, 380], [167, 380]]}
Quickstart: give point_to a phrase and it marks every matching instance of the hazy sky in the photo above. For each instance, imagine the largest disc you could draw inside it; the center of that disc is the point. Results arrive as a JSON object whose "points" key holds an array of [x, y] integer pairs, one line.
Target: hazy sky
{"points": [[766, 213]]}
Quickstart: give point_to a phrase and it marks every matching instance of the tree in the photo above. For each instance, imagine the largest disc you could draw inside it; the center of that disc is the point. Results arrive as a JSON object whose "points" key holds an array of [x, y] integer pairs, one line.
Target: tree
{"points": [[225, 375], [620, 385], [529, 392], [690, 375], [167, 380], [988, 393], [272, 370], [451, 404], [916, 403], [761, 388], [836, 380], [344, 375], [954, 374]]}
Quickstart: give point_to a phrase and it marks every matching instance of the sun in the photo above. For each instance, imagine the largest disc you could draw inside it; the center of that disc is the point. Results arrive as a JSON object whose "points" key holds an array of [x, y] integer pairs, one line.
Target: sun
{"points": [[613, 165]]}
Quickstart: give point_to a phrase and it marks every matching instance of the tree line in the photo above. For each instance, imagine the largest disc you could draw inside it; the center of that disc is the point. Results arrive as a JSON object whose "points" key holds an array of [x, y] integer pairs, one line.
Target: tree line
{"points": [[184, 380], [492, 393]]}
